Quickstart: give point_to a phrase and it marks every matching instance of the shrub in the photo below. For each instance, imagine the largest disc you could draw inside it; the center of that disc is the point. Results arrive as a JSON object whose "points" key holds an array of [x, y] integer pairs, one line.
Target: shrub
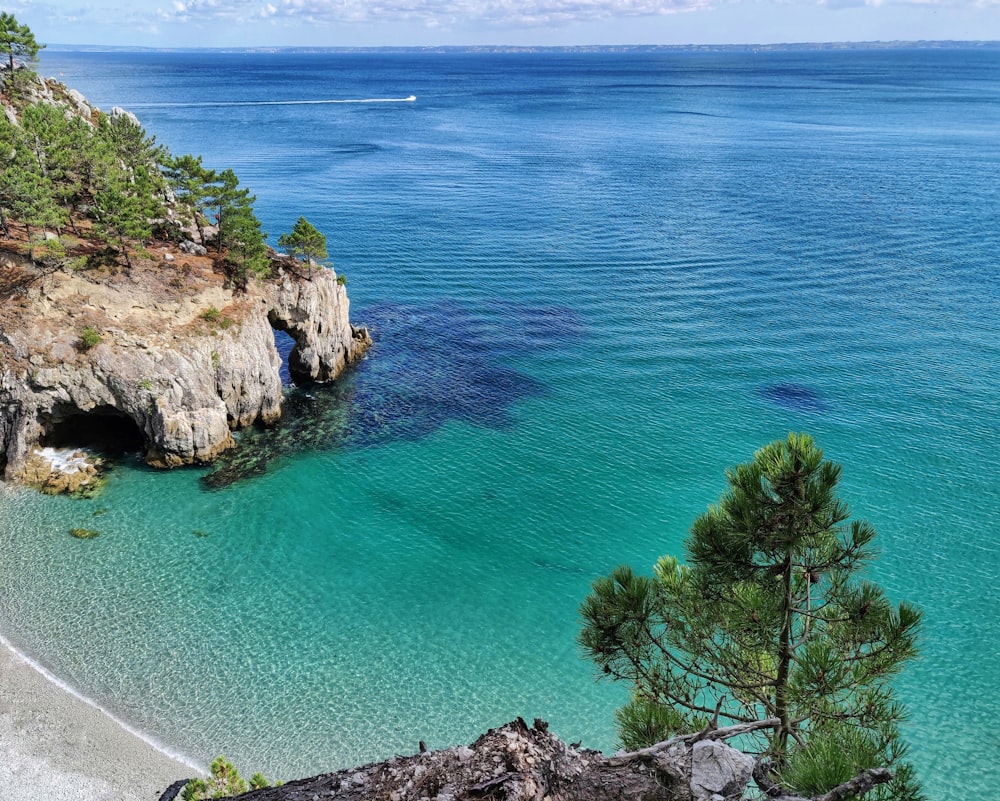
{"points": [[224, 781], [89, 338]]}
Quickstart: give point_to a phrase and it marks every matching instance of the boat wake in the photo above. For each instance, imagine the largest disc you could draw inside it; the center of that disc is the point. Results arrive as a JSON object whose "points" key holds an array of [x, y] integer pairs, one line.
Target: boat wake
{"points": [[227, 103]]}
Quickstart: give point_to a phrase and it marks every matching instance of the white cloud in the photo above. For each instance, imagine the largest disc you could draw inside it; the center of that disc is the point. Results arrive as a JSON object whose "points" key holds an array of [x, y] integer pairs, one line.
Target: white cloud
{"points": [[496, 13], [432, 13]]}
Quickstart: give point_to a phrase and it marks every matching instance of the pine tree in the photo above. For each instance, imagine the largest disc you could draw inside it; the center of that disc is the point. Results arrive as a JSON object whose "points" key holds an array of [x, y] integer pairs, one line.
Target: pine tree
{"points": [[192, 184], [17, 41], [61, 147], [304, 241], [126, 184], [770, 618], [240, 234], [26, 192]]}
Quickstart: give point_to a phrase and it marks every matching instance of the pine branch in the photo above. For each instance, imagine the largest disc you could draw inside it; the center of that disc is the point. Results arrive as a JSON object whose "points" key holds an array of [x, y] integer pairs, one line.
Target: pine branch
{"points": [[705, 734]]}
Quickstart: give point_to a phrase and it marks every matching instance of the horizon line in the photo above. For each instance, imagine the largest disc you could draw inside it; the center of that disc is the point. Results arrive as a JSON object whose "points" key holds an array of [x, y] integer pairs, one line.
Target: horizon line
{"points": [[870, 44]]}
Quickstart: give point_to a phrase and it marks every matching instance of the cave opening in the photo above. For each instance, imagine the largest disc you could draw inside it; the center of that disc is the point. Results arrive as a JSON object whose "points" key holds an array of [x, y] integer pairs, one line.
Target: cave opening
{"points": [[103, 428]]}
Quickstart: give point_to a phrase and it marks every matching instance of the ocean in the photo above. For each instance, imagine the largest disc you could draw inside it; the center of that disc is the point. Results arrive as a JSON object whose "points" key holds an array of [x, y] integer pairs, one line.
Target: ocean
{"points": [[595, 281]]}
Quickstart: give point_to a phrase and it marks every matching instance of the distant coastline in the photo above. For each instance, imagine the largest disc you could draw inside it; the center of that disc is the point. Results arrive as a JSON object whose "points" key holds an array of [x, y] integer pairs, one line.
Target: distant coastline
{"points": [[790, 47]]}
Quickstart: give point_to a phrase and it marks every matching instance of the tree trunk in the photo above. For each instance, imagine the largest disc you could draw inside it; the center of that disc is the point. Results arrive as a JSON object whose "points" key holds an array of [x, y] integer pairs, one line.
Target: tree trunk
{"points": [[780, 739], [128, 261]]}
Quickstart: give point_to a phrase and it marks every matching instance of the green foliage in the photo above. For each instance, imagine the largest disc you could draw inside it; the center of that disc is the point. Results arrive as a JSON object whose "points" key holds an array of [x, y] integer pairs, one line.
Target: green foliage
{"points": [[17, 42], [770, 618], [304, 242], [193, 186], [216, 359], [835, 754], [89, 338], [240, 235], [54, 166], [342, 280], [211, 315], [127, 186], [642, 722], [26, 190], [224, 780], [146, 384], [258, 782], [61, 150]]}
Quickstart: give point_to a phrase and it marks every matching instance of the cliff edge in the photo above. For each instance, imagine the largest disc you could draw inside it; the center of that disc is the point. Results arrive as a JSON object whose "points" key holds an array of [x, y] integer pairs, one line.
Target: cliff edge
{"points": [[167, 357]]}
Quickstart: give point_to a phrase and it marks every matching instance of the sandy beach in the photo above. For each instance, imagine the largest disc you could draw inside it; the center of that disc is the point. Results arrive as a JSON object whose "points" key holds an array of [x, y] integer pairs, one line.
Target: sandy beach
{"points": [[55, 746]]}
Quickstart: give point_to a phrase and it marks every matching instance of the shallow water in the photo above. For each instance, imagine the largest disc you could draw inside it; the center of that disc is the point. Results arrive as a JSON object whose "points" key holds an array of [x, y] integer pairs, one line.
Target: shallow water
{"points": [[594, 283]]}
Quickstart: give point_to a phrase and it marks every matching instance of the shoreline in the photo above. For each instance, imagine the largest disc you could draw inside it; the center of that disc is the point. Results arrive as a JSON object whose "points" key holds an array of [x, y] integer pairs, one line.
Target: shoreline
{"points": [[60, 746]]}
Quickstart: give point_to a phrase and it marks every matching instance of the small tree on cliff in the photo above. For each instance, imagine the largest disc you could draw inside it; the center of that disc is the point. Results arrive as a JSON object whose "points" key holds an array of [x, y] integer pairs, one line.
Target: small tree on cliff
{"points": [[769, 619], [192, 184], [304, 242], [17, 42], [240, 234]]}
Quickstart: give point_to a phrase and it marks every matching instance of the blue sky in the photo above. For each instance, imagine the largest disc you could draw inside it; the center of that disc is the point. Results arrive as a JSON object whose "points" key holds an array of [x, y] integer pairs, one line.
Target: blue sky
{"points": [[223, 23]]}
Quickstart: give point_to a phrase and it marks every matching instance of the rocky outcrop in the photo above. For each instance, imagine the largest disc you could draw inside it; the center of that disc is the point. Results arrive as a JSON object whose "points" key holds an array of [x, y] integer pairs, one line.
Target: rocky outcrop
{"points": [[312, 308], [518, 763], [173, 358], [67, 472]]}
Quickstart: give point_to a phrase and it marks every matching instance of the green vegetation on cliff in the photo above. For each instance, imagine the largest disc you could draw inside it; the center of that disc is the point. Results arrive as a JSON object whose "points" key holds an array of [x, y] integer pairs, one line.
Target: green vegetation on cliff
{"points": [[304, 242], [770, 619], [68, 169]]}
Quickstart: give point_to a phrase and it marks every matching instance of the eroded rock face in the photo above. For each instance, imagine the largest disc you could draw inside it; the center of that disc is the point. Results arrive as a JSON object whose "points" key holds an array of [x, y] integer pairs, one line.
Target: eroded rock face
{"points": [[187, 366], [313, 309]]}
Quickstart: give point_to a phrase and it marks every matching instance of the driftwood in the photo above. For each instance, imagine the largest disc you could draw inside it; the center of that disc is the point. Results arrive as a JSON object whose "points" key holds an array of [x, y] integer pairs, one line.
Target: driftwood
{"points": [[518, 763]]}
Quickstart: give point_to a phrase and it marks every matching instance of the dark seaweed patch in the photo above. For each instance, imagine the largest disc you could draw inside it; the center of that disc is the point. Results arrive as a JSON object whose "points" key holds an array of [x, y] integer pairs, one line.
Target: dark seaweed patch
{"points": [[431, 364], [793, 396]]}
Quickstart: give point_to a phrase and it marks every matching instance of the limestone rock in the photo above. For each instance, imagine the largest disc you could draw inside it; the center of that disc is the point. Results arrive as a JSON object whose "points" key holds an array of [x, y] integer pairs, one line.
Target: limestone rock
{"points": [[56, 472], [309, 308], [180, 379], [79, 103], [193, 248], [118, 112], [718, 771]]}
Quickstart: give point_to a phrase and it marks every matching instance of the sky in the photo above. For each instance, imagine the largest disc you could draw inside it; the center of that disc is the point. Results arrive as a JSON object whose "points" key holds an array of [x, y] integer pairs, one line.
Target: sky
{"points": [[366, 23]]}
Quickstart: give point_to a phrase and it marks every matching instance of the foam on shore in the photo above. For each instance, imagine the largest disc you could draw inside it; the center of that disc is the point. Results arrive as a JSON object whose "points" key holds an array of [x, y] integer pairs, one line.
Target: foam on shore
{"points": [[57, 740]]}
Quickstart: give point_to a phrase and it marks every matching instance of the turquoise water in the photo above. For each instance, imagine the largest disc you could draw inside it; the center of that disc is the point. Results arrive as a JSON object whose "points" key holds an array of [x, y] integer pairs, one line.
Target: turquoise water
{"points": [[594, 282]]}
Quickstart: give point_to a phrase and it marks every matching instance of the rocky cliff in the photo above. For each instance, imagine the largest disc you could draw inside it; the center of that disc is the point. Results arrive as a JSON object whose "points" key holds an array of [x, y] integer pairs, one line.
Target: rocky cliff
{"points": [[115, 327], [167, 357]]}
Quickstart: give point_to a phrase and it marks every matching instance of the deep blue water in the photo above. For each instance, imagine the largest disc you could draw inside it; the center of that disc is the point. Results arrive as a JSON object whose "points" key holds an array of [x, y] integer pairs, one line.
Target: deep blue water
{"points": [[595, 281]]}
